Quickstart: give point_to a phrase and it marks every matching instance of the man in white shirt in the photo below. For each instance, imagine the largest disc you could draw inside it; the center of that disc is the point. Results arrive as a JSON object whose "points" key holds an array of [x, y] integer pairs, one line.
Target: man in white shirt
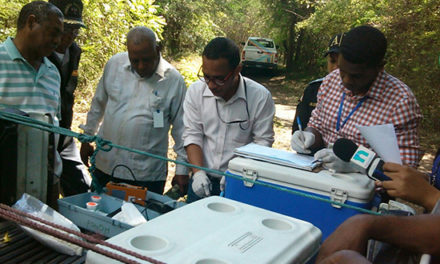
{"points": [[138, 97], [222, 111]]}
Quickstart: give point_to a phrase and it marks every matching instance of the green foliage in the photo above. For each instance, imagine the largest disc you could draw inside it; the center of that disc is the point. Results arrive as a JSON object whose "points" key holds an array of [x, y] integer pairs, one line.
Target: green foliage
{"points": [[302, 29], [107, 25], [413, 35], [8, 17], [189, 25]]}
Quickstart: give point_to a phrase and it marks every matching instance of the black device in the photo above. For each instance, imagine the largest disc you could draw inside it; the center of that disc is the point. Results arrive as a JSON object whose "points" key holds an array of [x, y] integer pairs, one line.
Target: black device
{"points": [[348, 151]]}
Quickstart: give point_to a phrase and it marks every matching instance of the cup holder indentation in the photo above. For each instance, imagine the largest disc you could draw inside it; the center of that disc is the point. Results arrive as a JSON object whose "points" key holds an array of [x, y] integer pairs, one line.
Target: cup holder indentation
{"points": [[276, 224], [210, 261], [149, 243], [221, 207]]}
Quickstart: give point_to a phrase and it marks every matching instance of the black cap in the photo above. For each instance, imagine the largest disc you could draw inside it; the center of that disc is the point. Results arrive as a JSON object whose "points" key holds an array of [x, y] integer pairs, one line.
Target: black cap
{"points": [[334, 44], [72, 11]]}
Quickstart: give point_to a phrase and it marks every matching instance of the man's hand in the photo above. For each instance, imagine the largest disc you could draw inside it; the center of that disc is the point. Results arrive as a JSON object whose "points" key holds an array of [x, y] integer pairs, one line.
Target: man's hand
{"points": [[352, 235], [332, 162], [201, 184], [409, 184], [182, 182], [301, 141], [85, 152]]}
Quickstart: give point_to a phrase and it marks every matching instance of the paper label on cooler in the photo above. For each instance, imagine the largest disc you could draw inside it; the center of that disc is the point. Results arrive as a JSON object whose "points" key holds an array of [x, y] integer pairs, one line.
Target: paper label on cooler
{"points": [[245, 242]]}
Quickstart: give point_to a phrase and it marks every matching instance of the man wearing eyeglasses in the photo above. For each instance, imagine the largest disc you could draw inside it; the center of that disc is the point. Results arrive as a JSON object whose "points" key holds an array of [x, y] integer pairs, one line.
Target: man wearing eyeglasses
{"points": [[74, 178], [222, 111]]}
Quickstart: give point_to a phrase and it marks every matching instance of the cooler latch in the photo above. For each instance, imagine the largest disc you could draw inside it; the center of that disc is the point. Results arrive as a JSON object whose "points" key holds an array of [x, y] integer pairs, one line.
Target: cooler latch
{"points": [[250, 175], [339, 196]]}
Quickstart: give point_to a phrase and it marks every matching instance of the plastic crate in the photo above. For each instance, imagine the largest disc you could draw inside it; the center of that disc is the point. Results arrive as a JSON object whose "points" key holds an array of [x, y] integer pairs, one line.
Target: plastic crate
{"points": [[100, 221]]}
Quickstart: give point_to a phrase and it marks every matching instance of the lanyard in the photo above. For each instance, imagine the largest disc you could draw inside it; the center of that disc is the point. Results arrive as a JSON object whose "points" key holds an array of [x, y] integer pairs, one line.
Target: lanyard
{"points": [[338, 124]]}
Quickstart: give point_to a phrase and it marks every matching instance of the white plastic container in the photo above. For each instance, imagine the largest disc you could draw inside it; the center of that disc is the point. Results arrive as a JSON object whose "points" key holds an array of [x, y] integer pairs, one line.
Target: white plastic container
{"points": [[217, 230], [348, 188]]}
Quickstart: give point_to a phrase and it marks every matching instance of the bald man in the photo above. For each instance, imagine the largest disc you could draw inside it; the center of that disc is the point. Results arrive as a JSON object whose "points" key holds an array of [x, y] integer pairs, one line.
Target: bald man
{"points": [[138, 98]]}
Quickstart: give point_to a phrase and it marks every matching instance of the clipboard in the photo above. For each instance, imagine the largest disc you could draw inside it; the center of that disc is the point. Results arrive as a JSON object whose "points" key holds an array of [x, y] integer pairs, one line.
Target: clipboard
{"points": [[277, 156]]}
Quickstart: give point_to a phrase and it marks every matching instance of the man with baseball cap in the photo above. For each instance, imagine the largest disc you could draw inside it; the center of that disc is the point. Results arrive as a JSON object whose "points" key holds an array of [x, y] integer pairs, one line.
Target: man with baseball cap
{"points": [[75, 178], [307, 102]]}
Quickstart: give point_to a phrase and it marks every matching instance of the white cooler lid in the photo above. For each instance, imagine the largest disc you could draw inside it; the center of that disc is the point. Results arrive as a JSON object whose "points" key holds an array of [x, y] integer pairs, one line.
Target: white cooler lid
{"points": [[359, 187]]}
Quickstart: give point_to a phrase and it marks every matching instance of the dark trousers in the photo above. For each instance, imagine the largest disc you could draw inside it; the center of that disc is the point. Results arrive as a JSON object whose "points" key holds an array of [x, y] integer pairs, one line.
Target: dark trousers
{"points": [[153, 186]]}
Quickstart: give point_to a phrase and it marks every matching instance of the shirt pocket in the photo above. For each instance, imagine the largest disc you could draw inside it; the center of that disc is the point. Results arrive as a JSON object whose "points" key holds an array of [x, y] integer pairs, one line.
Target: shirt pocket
{"points": [[242, 133], [114, 91]]}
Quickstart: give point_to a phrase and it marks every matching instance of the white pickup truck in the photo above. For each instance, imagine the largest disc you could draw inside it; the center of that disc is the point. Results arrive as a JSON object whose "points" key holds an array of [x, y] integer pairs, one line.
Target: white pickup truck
{"points": [[259, 53]]}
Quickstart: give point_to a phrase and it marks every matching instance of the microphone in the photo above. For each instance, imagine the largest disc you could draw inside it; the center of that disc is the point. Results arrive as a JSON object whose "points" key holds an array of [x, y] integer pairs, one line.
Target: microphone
{"points": [[348, 151]]}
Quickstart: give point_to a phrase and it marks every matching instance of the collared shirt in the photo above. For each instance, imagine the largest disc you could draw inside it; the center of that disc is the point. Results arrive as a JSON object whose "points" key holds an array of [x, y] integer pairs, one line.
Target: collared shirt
{"points": [[126, 103], [208, 121], [25, 88], [388, 101]]}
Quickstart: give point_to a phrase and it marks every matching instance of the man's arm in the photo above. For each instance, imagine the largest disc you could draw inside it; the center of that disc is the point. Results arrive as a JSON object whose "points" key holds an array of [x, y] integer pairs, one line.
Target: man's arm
{"points": [[94, 118], [262, 129], [414, 233], [195, 156], [406, 118], [193, 131]]}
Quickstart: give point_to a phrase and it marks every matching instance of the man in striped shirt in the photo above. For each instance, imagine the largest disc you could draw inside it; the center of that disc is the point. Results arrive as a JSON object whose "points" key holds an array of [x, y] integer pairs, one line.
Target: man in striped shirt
{"points": [[361, 93], [28, 80]]}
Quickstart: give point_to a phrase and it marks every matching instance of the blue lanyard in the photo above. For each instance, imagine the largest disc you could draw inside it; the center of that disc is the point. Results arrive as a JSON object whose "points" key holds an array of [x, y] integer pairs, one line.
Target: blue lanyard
{"points": [[338, 124]]}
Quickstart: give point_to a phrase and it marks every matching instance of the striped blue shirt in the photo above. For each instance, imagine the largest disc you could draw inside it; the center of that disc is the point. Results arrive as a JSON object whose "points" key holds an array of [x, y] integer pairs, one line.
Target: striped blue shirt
{"points": [[23, 87]]}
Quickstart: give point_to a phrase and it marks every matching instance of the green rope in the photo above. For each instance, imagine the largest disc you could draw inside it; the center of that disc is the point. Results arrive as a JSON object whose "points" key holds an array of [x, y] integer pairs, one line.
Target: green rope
{"points": [[106, 145]]}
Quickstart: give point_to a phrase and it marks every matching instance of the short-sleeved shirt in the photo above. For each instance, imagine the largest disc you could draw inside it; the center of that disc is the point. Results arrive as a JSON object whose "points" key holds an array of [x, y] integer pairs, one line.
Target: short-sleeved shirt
{"points": [[25, 88], [209, 121], [388, 101]]}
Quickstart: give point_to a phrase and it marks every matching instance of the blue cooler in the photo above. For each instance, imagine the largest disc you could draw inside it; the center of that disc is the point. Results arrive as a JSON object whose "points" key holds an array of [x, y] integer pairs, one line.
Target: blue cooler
{"points": [[349, 188]]}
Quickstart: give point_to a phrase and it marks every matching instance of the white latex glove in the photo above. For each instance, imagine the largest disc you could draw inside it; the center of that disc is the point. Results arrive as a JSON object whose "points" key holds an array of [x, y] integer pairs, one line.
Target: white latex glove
{"points": [[301, 141], [332, 162], [201, 184], [222, 184]]}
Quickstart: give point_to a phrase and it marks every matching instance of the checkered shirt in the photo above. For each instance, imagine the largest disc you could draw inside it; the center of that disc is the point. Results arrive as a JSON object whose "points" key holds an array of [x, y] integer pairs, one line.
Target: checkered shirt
{"points": [[389, 100]]}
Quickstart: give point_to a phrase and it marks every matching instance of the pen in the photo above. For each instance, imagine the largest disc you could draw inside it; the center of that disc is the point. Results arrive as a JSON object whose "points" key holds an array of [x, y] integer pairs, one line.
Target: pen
{"points": [[300, 128], [317, 161], [299, 124]]}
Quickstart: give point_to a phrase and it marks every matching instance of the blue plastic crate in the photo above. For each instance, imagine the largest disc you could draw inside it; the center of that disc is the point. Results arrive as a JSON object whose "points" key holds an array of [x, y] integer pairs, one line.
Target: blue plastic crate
{"points": [[100, 221]]}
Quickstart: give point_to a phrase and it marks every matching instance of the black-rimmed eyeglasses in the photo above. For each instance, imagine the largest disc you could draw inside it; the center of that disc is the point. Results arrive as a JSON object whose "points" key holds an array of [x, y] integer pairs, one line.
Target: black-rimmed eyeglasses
{"points": [[220, 81]]}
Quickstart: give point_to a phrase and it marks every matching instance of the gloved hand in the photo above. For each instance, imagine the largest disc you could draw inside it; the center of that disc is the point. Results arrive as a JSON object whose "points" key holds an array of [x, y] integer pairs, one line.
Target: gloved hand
{"points": [[301, 141], [201, 184], [332, 162], [222, 184]]}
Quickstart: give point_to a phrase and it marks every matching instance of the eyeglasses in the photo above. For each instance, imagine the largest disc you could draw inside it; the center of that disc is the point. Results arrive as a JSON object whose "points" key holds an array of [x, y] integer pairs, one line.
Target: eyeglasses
{"points": [[216, 80]]}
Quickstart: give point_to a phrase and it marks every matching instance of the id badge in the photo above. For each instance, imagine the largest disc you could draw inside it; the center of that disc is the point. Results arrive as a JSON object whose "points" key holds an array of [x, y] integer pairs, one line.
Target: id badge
{"points": [[158, 119]]}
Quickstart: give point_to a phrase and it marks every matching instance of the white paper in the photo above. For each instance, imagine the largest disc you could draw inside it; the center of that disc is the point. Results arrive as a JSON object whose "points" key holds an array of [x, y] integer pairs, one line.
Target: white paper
{"points": [[129, 214], [276, 156], [382, 138]]}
